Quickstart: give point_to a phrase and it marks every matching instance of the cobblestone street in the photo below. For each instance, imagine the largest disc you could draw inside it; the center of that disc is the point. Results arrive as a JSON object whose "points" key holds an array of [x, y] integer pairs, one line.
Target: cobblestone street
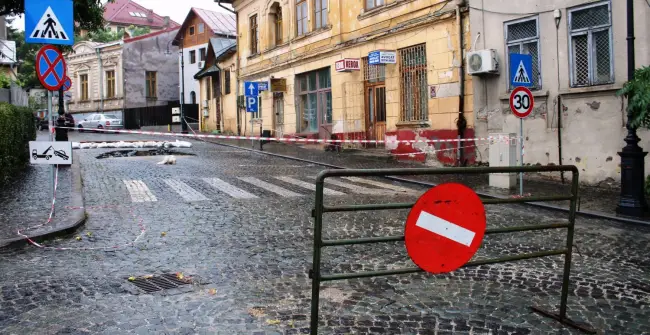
{"points": [[239, 225]]}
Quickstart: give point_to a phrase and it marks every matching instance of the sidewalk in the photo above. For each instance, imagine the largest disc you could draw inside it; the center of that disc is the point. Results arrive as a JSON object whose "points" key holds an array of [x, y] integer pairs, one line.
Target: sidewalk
{"points": [[27, 200], [596, 200]]}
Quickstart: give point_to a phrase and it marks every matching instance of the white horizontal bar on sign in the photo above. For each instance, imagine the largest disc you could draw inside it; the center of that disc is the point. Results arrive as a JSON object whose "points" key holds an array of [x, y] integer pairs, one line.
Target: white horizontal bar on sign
{"points": [[270, 187], [309, 186], [445, 228], [231, 190]]}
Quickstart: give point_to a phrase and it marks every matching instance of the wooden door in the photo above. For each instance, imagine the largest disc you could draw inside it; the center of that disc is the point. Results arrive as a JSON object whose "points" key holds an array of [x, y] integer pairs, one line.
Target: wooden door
{"points": [[376, 113]]}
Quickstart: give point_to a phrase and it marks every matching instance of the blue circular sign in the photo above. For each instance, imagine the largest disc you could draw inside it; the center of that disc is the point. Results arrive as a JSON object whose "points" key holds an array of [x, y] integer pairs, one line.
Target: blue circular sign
{"points": [[50, 67]]}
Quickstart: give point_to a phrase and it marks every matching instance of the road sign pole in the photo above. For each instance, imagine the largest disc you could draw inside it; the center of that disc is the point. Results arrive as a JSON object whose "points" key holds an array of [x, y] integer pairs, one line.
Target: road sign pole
{"points": [[521, 156], [49, 130]]}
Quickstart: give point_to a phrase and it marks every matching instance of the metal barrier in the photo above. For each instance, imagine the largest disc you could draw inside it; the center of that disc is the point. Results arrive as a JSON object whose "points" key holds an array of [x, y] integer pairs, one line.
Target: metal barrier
{"points": [[319, 243]]}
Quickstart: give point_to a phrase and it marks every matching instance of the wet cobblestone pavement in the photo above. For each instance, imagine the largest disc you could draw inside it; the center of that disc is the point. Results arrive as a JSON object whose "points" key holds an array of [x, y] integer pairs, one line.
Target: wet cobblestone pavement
{"points": [[250, 254]]}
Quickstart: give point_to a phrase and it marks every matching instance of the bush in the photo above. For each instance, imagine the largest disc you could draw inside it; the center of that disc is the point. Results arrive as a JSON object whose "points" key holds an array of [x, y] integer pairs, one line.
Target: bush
{"points": [[17, 128]]}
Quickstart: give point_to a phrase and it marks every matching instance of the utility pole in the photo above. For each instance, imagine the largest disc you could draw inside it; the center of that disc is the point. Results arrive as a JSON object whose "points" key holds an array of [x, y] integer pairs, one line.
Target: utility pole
{"points": [[632, 201], [183, 122]]}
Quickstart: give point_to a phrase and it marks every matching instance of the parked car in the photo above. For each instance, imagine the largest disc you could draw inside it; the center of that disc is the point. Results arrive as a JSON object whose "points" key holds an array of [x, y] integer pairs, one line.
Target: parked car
{"points": [[100, 121], [69, 121]]}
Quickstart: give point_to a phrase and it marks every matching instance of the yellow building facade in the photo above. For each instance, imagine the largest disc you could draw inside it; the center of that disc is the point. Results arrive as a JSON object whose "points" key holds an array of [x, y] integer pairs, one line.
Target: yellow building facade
{"points": [[358, 69]]}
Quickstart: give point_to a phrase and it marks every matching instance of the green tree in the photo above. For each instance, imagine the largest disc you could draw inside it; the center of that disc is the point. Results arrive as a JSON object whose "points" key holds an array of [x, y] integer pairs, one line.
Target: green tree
{"points": [[101, 36], [637, 91], [137, 31], [5, 82], [89, 14]]}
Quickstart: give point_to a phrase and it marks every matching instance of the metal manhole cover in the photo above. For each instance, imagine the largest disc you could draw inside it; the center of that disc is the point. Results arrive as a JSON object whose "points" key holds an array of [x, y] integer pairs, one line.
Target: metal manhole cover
{"points": [[165, 281]]}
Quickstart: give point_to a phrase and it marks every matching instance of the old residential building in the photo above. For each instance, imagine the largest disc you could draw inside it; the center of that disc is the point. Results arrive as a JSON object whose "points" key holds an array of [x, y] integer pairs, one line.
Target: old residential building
{"points": [[137, 72], [199, 27], [121, 14], [399, 76], [579, 62], [217, 87]]}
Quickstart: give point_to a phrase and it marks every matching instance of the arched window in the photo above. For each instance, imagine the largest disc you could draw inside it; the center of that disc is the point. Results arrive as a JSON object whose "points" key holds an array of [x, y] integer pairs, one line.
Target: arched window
{"points": [[275, 18], [193, 98]]}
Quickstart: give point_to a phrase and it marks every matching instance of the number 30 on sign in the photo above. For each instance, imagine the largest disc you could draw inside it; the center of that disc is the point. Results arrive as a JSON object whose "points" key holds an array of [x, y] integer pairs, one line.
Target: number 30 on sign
{"points": [[521, 102]]}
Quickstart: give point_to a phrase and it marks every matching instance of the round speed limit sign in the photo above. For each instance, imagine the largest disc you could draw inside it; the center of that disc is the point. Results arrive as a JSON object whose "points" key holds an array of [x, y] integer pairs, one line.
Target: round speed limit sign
{"points": [[521, 102]]}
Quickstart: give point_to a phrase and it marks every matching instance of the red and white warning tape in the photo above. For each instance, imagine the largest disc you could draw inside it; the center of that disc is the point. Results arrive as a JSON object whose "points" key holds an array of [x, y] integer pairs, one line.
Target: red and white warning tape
{"points": [[21, 232], [299, 140]]}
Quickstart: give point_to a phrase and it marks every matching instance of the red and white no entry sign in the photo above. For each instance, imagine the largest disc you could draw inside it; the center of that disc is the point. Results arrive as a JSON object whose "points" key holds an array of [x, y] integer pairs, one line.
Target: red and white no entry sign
{"points": [[445, 228], [521, 102]]}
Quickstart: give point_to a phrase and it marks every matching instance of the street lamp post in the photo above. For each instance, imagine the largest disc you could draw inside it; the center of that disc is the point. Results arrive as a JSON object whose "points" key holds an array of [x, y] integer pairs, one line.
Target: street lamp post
{"points": [[632, 201], [183, 123]]}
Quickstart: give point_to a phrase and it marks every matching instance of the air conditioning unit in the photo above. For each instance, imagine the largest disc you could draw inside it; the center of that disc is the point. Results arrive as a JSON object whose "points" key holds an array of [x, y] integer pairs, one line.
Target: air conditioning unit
{"points": [[482, 62], [205, 104], [201, 64]]}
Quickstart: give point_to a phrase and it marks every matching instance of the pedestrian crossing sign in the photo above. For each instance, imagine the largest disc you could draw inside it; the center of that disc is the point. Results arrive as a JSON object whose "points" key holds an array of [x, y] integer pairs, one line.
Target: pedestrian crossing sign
{"points": [[521, 70], [49, 22]]}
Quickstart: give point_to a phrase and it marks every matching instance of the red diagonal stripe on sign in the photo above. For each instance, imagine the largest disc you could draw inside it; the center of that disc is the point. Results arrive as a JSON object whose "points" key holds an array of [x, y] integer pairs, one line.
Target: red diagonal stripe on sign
{"points": [[51, 66]]}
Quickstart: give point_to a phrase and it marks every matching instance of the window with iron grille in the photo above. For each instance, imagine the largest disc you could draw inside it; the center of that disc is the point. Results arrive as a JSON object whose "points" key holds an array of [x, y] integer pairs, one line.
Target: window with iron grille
{"points": [[226, 84], [253, 34], [413, 83], [522, 37], [320, 13], [301, 17], [591, 53], [373, 73]]}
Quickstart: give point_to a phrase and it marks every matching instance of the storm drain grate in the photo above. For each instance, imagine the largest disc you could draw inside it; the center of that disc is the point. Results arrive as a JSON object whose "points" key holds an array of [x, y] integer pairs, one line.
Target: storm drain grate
{"points": [[165, 281]]}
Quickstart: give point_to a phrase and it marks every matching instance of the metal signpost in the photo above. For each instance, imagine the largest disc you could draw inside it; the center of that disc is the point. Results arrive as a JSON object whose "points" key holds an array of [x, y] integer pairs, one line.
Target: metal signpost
{"points": [[445, 228], [521, 99], [251, 91], [50, 22]]}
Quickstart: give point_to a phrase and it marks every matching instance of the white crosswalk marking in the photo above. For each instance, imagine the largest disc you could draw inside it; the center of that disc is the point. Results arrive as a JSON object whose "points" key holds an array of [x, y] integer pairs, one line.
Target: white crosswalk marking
{"points": [[139, 191], [382, 185], [354, 188], [308, 186], [185, 191], [270, 187], [229, 189]]}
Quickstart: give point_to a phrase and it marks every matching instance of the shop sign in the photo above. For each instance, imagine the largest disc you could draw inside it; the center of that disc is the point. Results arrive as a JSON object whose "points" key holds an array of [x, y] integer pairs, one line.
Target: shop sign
{"points": [[348, 65], [382, 57]]}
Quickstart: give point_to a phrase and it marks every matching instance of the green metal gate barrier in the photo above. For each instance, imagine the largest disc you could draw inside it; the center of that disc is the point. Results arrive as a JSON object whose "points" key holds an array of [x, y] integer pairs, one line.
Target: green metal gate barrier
{"points": [[319, 243]]}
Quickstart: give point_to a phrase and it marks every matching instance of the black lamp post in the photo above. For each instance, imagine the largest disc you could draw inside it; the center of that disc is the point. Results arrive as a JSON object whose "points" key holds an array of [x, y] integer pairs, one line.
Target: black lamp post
{"points": [[632, 202]]}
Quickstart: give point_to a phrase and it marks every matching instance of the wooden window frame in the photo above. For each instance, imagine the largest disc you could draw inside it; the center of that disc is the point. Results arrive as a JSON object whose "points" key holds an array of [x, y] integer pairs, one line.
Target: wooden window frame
{"points": [[201, 28], [191, 30], [301, 28], [202, 54], [151, 79], [110, 84], [254, 34], [83, 87], [192, 56], [321, 18], [279, 36]]}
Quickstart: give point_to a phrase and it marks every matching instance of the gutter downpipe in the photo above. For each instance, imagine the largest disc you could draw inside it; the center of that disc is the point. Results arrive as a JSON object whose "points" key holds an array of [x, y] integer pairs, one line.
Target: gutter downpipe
{"points": [[101, 81], [224, 7], [461, 124], [237, 75], [221, 124]]}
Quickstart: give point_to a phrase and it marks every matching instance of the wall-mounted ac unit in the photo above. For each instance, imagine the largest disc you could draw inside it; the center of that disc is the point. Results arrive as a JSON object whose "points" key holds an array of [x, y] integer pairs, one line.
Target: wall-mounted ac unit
{"points": [[201, 64], [205, 104], [482, 62]]}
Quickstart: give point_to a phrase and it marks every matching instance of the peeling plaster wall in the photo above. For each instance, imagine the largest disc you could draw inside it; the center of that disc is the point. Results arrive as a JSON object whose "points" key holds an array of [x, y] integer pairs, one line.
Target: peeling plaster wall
{"points": [[593, 118], [149, 54]]}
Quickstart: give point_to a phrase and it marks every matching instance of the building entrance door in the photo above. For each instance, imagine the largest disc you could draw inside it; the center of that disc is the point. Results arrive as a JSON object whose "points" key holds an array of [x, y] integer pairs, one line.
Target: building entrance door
{"points": [[375, 113]]}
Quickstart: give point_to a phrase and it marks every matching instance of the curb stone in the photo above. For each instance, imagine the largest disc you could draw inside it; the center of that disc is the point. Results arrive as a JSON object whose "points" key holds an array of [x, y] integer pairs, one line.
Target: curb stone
{"points": [[76, 220]]}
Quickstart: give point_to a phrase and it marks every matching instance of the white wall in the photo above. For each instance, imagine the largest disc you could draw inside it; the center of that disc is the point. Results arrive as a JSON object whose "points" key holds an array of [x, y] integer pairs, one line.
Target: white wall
{"points": [[593, 118], [190, 70]]}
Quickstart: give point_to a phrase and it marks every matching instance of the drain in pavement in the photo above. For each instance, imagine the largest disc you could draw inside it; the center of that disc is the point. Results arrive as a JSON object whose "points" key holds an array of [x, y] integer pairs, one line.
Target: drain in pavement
{"points": [[150, 284]]}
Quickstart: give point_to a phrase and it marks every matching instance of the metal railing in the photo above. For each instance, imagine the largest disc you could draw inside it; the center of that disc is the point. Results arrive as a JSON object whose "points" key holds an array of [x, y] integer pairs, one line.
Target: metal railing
{"points": [[317, 277]]}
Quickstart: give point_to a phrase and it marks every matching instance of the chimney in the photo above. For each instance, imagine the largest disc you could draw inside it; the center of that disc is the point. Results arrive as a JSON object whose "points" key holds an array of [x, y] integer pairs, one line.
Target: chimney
{"points": [[166, 22], [150, 16]]}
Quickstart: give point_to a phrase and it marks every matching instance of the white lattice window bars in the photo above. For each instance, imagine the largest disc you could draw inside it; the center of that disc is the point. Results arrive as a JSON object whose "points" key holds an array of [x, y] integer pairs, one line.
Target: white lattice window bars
{"points": [[590, 45], [522, 37]]}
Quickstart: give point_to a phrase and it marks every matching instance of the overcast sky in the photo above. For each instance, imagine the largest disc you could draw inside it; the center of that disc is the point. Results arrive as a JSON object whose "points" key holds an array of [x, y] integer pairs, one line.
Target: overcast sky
{"points": [[176, 9]]}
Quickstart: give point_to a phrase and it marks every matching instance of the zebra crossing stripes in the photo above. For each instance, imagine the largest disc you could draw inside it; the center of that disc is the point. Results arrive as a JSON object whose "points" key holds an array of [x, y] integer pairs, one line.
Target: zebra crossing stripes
{"points": [[185, 191], [231, 190], [139, 191], [271, 187], [309, 186], [382, 185], [354, 188]]}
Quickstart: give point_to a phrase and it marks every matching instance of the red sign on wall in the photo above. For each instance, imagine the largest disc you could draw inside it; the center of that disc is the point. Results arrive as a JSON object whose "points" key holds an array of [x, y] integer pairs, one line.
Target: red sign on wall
{"points": [[348, 64]]}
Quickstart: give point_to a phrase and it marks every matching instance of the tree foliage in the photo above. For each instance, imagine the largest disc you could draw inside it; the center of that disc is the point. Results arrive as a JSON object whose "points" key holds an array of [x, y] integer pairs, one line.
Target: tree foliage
{"points": [[5, 82], [88, 14], [26, 55], [637, 91]]}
